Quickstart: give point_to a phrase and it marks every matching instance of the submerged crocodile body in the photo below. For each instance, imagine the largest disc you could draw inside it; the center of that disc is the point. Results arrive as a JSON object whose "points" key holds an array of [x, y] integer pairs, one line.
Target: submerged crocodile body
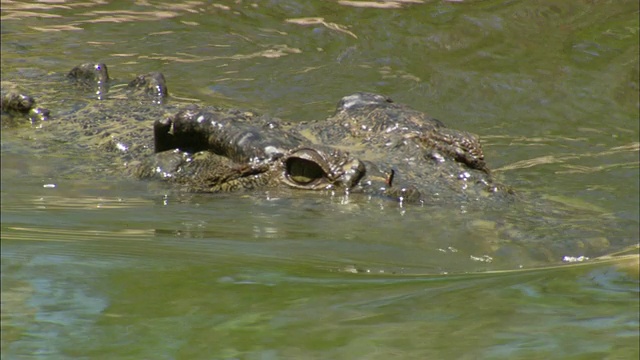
{"points": [[371, 145]]}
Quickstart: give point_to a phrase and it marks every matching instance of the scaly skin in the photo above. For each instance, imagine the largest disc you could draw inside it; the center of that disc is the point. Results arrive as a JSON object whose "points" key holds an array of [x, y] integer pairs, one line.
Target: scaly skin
{"points": [[370, 145]]}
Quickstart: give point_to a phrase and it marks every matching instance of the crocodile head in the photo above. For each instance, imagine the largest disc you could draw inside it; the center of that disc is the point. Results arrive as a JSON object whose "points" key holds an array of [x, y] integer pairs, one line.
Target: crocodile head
{"points": [[214, 150], [370, 145]]}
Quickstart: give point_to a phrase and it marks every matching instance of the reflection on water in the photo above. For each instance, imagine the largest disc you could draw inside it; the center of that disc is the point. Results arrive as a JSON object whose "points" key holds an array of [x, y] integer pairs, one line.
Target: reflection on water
{"points": [[95, 265], [253, 307]]}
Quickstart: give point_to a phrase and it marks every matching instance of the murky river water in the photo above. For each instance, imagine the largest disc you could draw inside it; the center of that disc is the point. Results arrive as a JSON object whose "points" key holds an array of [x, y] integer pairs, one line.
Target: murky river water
{"points": [[109, 267]]}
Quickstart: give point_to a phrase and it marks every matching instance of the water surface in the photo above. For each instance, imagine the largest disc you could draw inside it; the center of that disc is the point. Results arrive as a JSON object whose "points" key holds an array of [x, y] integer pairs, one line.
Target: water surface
{"points": [[101, 266]]}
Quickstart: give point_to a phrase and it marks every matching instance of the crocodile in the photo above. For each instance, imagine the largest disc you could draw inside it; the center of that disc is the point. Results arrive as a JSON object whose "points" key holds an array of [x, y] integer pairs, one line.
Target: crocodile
{"points": [[371, 145]]}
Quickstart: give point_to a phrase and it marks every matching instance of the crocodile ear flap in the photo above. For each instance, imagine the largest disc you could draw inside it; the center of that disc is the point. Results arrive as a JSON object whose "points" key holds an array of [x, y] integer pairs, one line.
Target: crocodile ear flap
{"points": [[162, 137]]}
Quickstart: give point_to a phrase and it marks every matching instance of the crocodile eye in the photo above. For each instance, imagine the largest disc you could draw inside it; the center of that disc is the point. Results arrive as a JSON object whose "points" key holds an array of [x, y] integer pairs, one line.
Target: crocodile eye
{"points": [[306, 169], [303, 171]]}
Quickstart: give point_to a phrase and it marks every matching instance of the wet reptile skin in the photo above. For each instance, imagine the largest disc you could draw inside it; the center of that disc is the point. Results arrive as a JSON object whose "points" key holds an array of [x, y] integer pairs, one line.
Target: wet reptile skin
{"points": [[371, 145]]}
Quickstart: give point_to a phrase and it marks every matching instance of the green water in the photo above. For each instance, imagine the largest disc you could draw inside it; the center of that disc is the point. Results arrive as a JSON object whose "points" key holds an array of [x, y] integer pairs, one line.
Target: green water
{"points": [[114, 268]]}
